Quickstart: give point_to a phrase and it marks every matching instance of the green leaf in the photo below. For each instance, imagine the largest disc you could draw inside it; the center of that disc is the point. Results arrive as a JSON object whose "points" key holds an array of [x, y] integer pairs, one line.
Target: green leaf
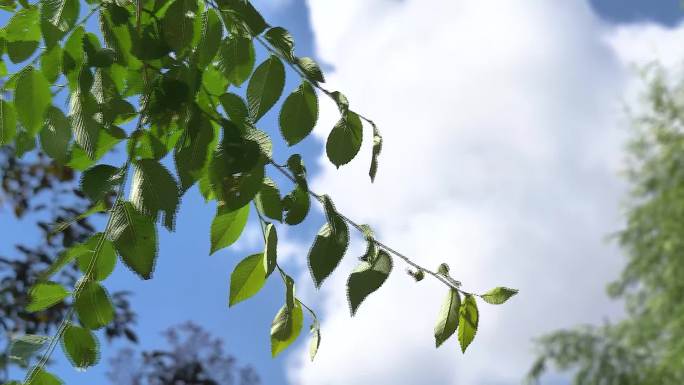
{"points": [[51, 63], [44, 295], [192, 150], [60, 226], [153, 190], [311, 69], [247, 278], [234, 106], [32, 98], [265, 87], [80, 159], [82, 109], [100, 180], [215, 84], [84, 253], [244, 10], [227, 226], [212, 32], [56, 135], [24, 347], [234, 188], [286, 327], [236, 58], [498, 295], [24, 143], [93, 306], [296, 205], [22, 34], [268, 200], [328, 249], [282, 41], [178, 24], [344, 141], [18, 51], [341, 101], [80, 346], [57, 17], [377, 148], [73, 56], [135, 239], [299, 114], [41, 377], [315, 340], [8, 122], [467, 321], [447, 320], [443, 269], [271, 249], [367, 278]]}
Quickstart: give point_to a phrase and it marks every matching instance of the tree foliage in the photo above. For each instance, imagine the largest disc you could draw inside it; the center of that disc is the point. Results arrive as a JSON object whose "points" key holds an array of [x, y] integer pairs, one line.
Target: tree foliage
{"points": [[646, 346], [193, 357], [37, 189], [154, 81]]}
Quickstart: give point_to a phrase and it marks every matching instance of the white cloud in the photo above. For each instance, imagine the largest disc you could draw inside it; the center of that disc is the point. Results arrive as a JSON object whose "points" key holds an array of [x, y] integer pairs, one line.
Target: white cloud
{"points": [[503, 143]]}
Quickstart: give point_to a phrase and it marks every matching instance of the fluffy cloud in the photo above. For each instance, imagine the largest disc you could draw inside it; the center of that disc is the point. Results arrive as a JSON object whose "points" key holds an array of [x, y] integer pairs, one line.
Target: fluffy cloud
{"points": [[503, 133]]}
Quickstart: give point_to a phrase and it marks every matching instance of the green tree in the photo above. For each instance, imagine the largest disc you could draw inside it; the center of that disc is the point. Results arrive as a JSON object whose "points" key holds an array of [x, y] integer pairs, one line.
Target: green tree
{"points": [[647, 346], [155, 79], [194, 357]]}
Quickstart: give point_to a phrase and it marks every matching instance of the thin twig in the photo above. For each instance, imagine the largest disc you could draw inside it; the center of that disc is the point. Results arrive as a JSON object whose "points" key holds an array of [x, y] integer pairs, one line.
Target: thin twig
{"points": [[358, 227]]}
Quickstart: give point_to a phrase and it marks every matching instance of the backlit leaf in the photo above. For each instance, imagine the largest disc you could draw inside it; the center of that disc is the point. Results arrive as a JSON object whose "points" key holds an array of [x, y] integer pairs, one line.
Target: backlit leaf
{"points": [[367, 278], [192, 150], [268, 200], [344, 141], [8, 122], [212, 32], [311, 69], [377, 148], [99, 180], [44, 295], [315, 340], [24, 347], [447, 320], [234, 106], [82, 109], [299, 114], [84, 253], [271, 249], [498, 295], [32, 98], [56, 135], [467, 321], [265, 87], [135, 239], [328, 249], [286, 327], [154, 190], [178, 24], [80, 346], [247, 279], [282, 41], [93, 306], [236, 58], [296, 205], [41, 377], [227, 227]]}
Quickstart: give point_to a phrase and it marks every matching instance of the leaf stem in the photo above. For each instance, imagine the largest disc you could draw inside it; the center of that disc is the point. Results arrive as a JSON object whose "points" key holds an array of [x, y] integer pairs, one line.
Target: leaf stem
{"points": [[407, 260]]}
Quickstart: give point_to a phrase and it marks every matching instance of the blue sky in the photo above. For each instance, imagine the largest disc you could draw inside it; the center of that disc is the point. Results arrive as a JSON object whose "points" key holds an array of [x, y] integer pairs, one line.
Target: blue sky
{"points": [[191, 285]]}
